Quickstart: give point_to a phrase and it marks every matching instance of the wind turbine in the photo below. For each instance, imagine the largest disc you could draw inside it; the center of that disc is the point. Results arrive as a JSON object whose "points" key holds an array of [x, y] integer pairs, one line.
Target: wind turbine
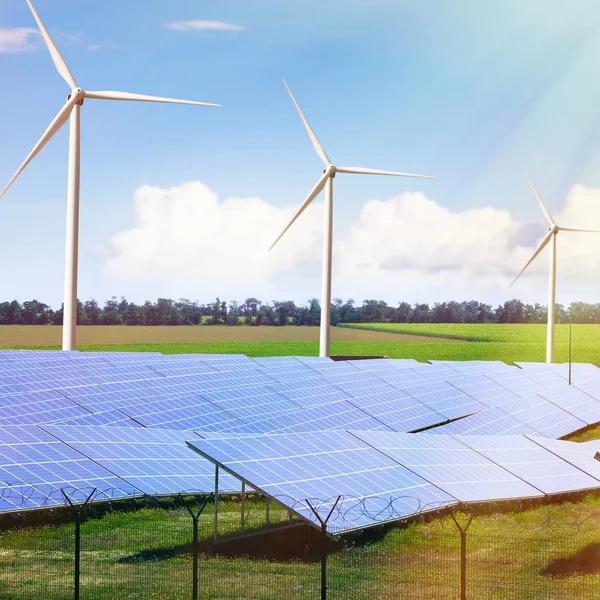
{"points": [[326, 181], [71, 110], [549, 237]]}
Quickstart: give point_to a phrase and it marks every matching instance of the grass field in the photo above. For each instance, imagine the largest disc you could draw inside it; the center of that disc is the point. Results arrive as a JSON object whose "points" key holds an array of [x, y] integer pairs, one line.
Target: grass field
{"points": [[419, 341], [145, 554]]}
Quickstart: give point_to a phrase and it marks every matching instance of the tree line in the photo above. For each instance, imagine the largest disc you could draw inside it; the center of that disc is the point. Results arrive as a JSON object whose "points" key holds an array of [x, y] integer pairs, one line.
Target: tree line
{"points": [[254, 312]]}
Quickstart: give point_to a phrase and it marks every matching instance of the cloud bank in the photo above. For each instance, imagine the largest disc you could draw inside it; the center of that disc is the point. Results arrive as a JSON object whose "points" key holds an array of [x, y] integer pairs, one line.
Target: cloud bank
{"points": [[185, 241]]}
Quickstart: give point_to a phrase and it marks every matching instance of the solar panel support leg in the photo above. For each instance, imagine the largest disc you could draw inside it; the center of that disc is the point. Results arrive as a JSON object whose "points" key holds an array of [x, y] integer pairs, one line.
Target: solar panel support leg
{"points": [[267, 511], [243, 523], [216, 505]]}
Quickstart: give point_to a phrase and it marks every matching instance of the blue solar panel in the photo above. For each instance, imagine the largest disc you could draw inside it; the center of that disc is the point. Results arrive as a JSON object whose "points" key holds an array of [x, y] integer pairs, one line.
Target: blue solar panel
{"points": [[34, 467], [450, 465], [493, 421], [334, 415], [37, 407], [296, 467], [398, 411], [531, 462], [154, 461], [575, 402]]}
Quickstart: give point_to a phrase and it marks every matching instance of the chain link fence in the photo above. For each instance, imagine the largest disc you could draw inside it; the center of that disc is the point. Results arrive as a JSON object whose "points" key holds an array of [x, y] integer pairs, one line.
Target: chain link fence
{"points": [[166, 548]]}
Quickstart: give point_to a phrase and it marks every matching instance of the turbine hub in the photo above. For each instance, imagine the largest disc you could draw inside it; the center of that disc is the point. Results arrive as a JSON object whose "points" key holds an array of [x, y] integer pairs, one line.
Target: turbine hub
{"points": [[78, 94], [331, 170]]}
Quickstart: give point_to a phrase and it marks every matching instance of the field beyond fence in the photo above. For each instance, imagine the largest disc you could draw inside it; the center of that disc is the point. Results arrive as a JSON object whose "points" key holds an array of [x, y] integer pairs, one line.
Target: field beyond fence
{"points": [[146, 551]]}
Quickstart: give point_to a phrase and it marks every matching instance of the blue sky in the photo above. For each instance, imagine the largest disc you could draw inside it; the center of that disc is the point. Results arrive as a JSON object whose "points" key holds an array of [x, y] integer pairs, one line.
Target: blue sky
{"points": [[466, 91]]}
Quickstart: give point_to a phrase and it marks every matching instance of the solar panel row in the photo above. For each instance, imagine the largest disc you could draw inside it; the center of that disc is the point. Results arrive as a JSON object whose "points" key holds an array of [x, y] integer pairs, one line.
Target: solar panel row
{"points": [[289, 394], [36, 463], [383, 475]]}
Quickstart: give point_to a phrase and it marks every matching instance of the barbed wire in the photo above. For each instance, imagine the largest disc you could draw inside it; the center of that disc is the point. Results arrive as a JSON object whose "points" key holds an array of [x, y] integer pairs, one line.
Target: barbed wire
{"points": [[348, 513]]}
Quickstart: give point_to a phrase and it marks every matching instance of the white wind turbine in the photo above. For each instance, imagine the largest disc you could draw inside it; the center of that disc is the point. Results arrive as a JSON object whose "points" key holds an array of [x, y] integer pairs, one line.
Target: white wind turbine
{"points": [[549, 237], [326, 181], [72, 110]]}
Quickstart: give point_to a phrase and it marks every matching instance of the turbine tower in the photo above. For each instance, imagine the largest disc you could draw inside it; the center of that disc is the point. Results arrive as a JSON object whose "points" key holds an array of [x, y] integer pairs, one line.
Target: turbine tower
{"points": [[326, 181], [71, 110], [550, 237]]}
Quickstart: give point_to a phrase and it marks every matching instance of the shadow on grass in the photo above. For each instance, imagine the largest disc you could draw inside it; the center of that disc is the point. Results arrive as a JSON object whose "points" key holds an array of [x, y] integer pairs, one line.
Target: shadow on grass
{"points": [[300, 543], [586, 561]]}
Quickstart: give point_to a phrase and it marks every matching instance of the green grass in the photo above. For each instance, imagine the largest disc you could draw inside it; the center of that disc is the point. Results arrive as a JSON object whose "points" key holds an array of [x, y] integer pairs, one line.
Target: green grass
{"points": [[507, 342], [485, 342], [144, 555]]}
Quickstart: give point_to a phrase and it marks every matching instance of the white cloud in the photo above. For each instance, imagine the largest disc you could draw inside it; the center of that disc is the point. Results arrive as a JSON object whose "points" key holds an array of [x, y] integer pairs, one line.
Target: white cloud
{"points": [[97, 47], [187, 242], [204, 26], [18, 39]]}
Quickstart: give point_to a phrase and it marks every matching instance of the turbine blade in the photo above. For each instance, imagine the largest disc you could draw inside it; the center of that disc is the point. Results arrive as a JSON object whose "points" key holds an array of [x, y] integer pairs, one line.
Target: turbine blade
{"points": [[141, 98], [579, 230], [313, 194], [540, 201], [542, 245], [363, 171], [311, 134], [59, 61], [60, 119]]}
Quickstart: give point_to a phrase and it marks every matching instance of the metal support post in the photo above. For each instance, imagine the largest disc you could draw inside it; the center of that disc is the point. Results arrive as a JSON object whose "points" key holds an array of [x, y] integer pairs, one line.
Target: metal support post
{"points": [[325, 542], [195, 545], [243, 523], [267, 511], [78, 510], [77, 551], [216, 505], [463, 553]]}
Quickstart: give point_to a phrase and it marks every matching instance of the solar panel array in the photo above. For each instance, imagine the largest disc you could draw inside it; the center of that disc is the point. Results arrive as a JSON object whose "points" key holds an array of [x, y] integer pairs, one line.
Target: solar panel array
{"points": [[383, 476], [120, 421]]}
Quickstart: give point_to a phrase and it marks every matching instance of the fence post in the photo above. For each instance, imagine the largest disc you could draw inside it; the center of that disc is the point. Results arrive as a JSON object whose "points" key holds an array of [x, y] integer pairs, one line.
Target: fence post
{"points": [[195, 544], [77, 509], [325, 545], [216, 506], [463, 553], [77, 550], [243, 520]]}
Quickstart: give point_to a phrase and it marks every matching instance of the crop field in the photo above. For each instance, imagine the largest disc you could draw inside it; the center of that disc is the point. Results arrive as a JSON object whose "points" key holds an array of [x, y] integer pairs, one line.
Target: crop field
{"points": [[36, 335], [534, 554], [395, 340]]}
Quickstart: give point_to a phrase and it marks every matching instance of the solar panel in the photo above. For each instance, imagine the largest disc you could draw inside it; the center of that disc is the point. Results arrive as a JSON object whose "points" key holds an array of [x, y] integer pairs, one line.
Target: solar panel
{"points": [[542, 416], [493, 421], [155, 461], [34, 467], [398, 411], [334, 415], [324, 465], [450, 465], [580, 456], [37, 407], [532, 463], [575, 402]]}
